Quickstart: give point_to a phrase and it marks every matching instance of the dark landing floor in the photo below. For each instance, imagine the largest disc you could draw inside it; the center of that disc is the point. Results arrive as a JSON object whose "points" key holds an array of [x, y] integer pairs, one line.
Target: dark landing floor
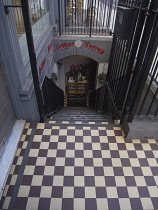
{"points": [[82, 168]]}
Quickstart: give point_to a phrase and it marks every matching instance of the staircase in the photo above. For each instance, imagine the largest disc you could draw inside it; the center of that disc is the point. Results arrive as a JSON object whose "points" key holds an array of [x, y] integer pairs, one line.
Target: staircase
{"points": [[78, 116]]}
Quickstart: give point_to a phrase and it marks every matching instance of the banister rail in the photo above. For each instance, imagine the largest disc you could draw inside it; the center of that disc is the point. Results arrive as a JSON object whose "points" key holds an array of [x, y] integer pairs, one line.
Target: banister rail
{"points": [[53, 97]]}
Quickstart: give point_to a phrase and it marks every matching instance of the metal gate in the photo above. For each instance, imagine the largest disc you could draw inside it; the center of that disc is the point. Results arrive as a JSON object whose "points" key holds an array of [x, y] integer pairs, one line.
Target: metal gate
{"points": [[7, 116], [133, 50]]}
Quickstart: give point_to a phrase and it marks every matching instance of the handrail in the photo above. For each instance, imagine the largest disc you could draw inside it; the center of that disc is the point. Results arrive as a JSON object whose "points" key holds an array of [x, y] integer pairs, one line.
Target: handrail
{"points": [[53, 97], [101, 100]]}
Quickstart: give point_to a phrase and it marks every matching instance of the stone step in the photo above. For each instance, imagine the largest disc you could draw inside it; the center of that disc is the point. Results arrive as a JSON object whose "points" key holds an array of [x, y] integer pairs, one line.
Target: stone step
{"points": [[80, 122], [79, 118], [81, 125]]}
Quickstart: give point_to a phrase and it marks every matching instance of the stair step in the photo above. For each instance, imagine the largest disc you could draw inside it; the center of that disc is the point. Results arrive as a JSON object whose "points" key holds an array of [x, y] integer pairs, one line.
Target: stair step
{"points": [[79, 118], [81, 122], [83, 125]]}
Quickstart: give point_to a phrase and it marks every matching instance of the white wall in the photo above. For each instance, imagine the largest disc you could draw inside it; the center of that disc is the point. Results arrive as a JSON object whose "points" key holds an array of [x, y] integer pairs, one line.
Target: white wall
{"points": [[102, 67], [61, 76]]}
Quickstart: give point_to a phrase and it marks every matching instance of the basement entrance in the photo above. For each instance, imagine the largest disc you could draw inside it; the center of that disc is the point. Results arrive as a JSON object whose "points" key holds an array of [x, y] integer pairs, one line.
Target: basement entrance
{"points": [[79, 75]]}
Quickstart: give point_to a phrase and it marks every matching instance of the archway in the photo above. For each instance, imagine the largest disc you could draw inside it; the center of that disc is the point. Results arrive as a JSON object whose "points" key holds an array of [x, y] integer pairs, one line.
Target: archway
{"points": [[77, 77]]}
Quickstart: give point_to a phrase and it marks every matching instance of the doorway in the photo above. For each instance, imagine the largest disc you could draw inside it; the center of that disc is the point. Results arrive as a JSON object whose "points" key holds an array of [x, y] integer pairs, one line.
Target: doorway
{"points": [[7, 116], [79, 75]]}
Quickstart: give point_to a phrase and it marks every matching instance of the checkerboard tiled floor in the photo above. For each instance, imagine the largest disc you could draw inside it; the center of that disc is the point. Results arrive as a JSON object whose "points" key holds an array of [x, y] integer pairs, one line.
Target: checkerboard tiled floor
{"points": [[82, 168]]}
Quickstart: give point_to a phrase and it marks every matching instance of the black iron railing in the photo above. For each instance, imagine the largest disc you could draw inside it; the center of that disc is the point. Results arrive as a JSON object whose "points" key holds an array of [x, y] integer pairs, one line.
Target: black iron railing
{"points": [[142, 99], [101, 101], [87, 17], [53, 97]]}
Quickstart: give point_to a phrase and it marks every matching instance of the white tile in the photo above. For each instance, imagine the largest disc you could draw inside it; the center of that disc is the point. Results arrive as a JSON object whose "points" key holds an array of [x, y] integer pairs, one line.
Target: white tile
{"points": [[40, 125], [147, 203], [71, 127], [60, 161], [69, 171], [94, 133], [130, 146], [146, 171], [49, 170], [37, 180], [116, 162], [89, 171], [125, 203], [140, 154], [52, 153], [87, 139], [47, 131], [41, 161], [134, 162], [102, 204], [29, 131], [24, 191], [120, 181], [70, 138], [127, 171], [46, 192], [33, 152], [88, 154], [100, 181], [37, 138], [58, 181], [86, 128], [102, 128], [32, 203], [103, 139], [113, 146], [78, 132], [6, 202], [68, 192], [70, 153], [56, 204], [44, 145], [61, 145], [79, 204], [96, 146], [78, 122], [155, 153], [120, 139], [106, 154], [140, 181], [123, 154], [27, 125], [110, 133], [79, 161], [55, 127], [156, 180], [90, 192], [79, 146], [13, 179], [24, 145], [79, 181], [108, 171], [153, 191], [5, 190], [133, 192], [54, 138], [146, 147], [97, 162], [112, 192], [29, 170], [63, 132], [152, 162]]}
